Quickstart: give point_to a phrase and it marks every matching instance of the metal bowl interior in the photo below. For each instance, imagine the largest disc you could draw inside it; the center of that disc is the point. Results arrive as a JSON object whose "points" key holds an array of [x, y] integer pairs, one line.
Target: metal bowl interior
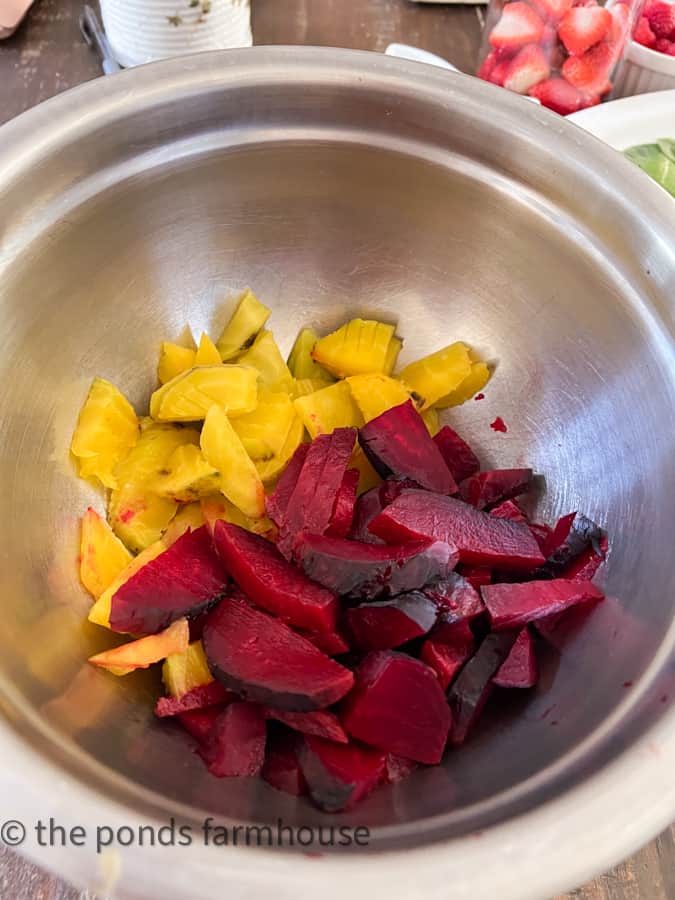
{"points": [[338, 184]]}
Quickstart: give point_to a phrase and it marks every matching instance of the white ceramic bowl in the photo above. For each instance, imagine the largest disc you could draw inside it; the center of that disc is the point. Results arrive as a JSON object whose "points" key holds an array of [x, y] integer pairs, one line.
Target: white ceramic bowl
{"points": [[632, 120], [644, 71]]}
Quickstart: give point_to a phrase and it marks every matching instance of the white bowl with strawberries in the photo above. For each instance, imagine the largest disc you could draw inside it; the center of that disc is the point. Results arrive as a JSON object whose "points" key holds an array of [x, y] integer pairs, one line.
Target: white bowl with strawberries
{"points": [[650, 59], [563, 52]]}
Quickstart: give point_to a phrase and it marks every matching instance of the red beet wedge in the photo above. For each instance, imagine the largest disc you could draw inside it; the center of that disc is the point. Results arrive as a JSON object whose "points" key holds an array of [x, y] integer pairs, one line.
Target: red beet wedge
{"points": [[397, 768], [448, 657], [272, 582], [520, 669], [321, 723], [514, 605], [343, 511], [397, 705], [397, 443], [390, 623], [477, 576], [479, 538], [263, 659], [472, 689], [212, 694], [586, 565], [332, 643], [310, 506], [458, 456], [199, 722], [185, 580], [367, 507], [235, 746], [572, 536], [339, 776], [281, 768], [354, 569], [488, 488], [509, 509], [277, 502], [456, 598]]}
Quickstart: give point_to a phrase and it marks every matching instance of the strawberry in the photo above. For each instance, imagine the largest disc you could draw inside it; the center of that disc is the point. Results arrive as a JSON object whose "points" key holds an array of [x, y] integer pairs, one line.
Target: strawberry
{"points": [[661, 17], [498, 74], [588, 73], [663, 45], [487, 66], [583, 27], [558, 95], [518, 26], [526, 69], [620, 24], [552, 10], [644, 34], [589, 4]]}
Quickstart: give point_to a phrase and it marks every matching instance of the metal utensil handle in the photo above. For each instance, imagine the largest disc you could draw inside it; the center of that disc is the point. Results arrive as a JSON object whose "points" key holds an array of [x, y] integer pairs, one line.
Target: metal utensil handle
{"points": [[94, 35]]}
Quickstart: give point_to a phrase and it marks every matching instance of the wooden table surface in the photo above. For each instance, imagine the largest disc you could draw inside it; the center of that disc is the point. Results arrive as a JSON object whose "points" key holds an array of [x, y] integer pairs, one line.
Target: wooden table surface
{"points": [[48, 55]]}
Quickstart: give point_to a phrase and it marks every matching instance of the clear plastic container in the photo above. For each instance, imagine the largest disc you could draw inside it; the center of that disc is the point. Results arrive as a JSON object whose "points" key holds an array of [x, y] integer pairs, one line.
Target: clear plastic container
{"points": [[562, 52]]}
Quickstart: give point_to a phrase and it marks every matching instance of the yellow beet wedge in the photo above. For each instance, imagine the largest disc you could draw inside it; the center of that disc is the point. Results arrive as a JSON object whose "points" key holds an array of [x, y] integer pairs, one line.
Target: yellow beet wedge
{"points": [[188, 397], [174, 360], [375, 394], [300, 360], [358, 348], [265, 356], [102, 555], [183, 672], [474, 382], [269, 469], [207, 353], [99, 614], [436, 375], [239, 479], [249, 317], [136, 513], [219, 507], [188, 516], [304, 386], [263, 432], [107, 428], [393, 351], [430, 419], [330, 408], [145, 651], [186, 477]]}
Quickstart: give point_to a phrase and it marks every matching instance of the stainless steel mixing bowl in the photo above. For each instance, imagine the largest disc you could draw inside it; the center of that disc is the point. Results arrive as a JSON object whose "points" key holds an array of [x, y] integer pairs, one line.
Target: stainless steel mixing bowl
{"points": [[338, 183]]}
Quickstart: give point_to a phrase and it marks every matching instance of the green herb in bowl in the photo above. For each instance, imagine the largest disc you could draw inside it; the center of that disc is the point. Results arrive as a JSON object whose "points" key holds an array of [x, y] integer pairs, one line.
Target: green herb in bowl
{"points": [[657, 160]]}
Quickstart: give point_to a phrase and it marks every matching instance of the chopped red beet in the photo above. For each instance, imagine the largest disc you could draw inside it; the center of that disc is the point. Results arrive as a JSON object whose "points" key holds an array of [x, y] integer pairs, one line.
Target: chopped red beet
{"points": [[452, 631], [272, 582], [513, 605], [519, 669], [479, 397], [367, 507], [499, 425], [447, 658], [351, 568], [393, 487], [398, 443], [277, 502], [488, 488], [479, 538], [472, 689], [310, 506], [397, 705], [572, 536], [332, 643], [390, 623], [199, 722], [396, 768], [211, 694], [456, 598], [339, 776], [261, 658], [184, 580], [477, 576], [509, 509], [542, 534], [236, 745], [586, 565], [321, 723], [343, 511], [282, 768], [458, 456]]}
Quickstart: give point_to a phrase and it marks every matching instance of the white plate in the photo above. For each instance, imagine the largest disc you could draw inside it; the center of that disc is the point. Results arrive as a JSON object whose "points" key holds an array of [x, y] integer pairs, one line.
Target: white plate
{"points": [[633, 120]]}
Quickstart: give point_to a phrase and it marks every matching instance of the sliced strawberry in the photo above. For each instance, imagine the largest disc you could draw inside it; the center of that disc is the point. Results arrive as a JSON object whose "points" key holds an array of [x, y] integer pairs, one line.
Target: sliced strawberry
{"points": [[661, 17], [620, 24], [518, 26], [526, 69], [587, 3], [589, 73], [558, 95], [644, 34], [498, 74], [548, 36], [552, 10], [583, 27], [487, 66]]}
